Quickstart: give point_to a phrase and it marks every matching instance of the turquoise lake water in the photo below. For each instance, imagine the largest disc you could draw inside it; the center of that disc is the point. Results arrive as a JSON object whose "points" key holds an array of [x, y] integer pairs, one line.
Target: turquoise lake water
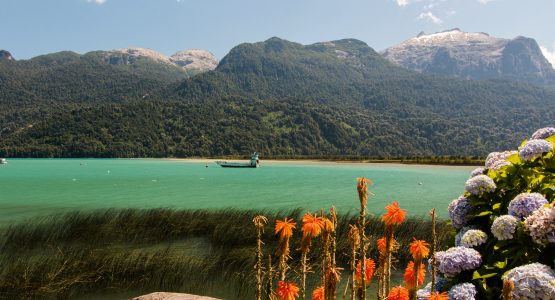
{"points": [[35, 187]]}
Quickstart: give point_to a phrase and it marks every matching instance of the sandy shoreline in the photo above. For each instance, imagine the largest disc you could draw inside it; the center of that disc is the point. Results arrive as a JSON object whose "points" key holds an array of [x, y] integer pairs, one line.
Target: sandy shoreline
{"points": [[210, 161]]}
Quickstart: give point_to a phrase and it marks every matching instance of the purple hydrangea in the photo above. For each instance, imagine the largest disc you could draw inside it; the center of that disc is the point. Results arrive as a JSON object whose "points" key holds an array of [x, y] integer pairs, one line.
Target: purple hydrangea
{"points": [[541, 225], [496, 160], [457, 259], [477, 171], [543, 133], [534, 149], [525, 204], [532, 281], [458, 211], [480, 184], [474, 237], [424, 293], [499, 164], [463, 291], [461, 233], [503, 227]]}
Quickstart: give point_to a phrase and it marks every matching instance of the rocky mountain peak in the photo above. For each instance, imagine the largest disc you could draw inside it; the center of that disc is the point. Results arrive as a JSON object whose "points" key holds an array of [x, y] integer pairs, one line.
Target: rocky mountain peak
{"points": [[195, 59], [473, 55], [128, 56], [6, 55]]}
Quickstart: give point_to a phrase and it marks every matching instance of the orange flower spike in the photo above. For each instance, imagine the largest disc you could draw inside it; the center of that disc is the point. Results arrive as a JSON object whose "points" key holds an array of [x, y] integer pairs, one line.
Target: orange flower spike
{"points": [[285, 228], [370, 267], [398, 293], [287, 290], [419, 249], [438, 296], [328, 225], [409, 275], [394, 214], [312, 225], [318, 294], [381, 245]]}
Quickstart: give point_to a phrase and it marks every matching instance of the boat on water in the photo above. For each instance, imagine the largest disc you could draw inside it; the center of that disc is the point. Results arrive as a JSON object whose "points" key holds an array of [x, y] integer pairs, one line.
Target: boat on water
{"points": [[3, 161], [253, 163]]}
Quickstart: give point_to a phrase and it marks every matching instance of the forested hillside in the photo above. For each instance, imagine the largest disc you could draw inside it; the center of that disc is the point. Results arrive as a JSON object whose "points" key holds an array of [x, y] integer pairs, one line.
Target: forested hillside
{"points": [[278, 98]]}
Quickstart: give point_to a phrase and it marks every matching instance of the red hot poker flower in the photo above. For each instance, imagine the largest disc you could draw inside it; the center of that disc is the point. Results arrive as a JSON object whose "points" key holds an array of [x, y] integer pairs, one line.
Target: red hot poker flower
{"points": [[312, 225], [394, 214], [398, 293], [409, 275], [419, 249], [287, 290], [285, 228], [369, 268]]}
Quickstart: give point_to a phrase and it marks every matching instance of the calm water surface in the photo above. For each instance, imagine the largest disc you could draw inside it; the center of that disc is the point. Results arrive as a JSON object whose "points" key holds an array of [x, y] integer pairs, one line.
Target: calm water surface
{"points": [[33, 187]]}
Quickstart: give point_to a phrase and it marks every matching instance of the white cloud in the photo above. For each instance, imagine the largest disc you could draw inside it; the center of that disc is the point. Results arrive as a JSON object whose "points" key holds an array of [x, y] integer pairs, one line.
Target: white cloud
{"points": [[451, 12], [429, 16], [484, 1], [550, 55], [402, 3], [97, 2]]}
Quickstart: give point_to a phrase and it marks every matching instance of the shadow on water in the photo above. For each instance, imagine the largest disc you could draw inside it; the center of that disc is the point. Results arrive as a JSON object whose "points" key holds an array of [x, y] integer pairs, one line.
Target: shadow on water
{"points": [[117, 254]]}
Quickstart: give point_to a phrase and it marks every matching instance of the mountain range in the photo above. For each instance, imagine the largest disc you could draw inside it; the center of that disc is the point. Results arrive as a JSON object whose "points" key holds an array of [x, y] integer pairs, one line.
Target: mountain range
{"points": [[474, 55], [277, 97]]}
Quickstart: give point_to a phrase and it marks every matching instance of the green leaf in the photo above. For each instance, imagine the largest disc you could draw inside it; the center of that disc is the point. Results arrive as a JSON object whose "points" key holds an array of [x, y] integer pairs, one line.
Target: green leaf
{"points": [[500, 264], [514, 159], [477, 275], [484, 213]]}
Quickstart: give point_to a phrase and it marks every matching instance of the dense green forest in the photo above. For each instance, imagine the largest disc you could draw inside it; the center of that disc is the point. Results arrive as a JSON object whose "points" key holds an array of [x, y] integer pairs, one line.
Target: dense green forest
{"points": [[280, 98]]}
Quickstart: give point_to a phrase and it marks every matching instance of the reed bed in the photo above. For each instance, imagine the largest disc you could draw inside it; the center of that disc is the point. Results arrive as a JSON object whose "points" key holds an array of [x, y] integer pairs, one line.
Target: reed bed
{"points": [[196, 251]]}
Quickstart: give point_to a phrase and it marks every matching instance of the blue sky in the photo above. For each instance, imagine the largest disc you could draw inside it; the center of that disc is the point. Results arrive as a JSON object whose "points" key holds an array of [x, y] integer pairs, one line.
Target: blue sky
{"points": [[34, 27]]}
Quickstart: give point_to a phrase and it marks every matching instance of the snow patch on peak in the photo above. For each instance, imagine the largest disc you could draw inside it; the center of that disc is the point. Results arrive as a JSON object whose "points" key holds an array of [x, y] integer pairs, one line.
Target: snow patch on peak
{"points": [[454, 36]]}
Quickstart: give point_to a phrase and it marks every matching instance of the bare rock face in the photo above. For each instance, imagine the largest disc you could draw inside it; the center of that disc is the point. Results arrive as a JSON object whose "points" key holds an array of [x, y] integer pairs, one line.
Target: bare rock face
{"points": [[474, 55], [195, 59], [127, 56], [5, 55], [172, 296]]}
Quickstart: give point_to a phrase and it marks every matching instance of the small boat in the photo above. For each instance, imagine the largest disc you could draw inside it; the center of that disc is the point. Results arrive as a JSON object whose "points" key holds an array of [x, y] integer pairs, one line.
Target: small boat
{"points": [[253, 163], [3, 161]]}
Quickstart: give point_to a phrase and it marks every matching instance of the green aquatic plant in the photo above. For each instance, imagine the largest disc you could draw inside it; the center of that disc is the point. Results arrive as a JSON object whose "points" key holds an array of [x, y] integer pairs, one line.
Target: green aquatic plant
{"points": [[129, 252]]}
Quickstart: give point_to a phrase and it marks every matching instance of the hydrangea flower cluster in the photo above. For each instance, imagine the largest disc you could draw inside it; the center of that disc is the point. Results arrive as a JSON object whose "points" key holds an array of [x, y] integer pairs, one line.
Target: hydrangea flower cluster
{"points": [[534, 149], [480, 184], [459, 210], [474, 237], [541, 225], [496, 160], [457, 259], [515, 209], [503, 227], [477, 171], [424, 293], [543, 133], [461, 233], [525, 204], [532, 281], [463, 291]]}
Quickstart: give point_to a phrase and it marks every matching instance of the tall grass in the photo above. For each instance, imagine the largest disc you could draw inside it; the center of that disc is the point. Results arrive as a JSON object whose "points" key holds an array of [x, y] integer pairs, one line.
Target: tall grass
{"points": [[196, 251]]}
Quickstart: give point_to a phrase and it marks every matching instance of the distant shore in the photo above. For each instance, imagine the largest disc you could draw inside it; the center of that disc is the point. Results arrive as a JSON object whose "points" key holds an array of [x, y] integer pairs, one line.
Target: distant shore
{"points": [[439, 161], [444, 162]]}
